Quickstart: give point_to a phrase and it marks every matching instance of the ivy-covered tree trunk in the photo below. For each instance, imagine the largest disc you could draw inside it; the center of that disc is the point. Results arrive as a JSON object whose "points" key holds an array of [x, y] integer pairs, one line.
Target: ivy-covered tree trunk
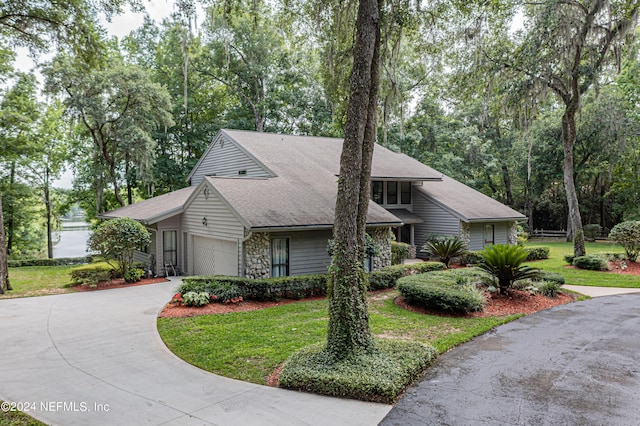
{"points": [[4, 270], [575, 233], [349, 331]]}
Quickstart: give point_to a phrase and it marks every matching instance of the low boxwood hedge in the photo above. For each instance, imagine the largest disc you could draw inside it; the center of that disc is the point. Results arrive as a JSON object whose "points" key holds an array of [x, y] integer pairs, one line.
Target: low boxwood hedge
{"points": [[381, 376], [593, 262], [60, 261], [537, 253], [454, 292], [92, 274]]}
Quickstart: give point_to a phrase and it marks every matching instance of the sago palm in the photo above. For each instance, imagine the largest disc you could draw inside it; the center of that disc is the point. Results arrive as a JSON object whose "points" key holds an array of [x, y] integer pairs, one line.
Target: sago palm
{"points": [[445, 249], [504, 262]]}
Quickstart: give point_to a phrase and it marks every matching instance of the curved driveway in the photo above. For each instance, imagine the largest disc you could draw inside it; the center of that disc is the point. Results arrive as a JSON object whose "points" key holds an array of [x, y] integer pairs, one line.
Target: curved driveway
{"points": [[96, 358], [577, 364]]}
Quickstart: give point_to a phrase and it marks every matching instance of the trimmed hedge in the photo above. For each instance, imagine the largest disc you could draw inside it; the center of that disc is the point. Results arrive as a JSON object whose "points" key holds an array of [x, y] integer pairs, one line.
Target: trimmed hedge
{"points": [[90, 275], [443, 291], [550, 276], [470, 258], [60, 261], [296, 287], [381, 376], [537, 253], [416, 268], [593, 262]]}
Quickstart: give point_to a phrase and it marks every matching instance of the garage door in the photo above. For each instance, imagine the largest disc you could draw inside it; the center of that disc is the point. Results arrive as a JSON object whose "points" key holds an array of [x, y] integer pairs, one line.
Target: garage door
{"points": [[214, 257]]}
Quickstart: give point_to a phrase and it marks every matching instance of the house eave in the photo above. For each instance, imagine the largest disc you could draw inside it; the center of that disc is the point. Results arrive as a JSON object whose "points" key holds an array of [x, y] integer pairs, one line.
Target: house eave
{"points": [[316, 227]]}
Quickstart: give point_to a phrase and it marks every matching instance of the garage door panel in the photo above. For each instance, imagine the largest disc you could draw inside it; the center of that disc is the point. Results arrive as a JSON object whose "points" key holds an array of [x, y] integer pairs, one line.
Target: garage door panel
{"points": [[212, 256]]}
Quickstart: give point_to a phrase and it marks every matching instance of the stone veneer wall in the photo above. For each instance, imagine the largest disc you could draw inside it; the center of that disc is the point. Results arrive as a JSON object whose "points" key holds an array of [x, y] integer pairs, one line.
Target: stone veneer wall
{"points": [[465, 233], [382, 237], [257, 258], [513, 233]]}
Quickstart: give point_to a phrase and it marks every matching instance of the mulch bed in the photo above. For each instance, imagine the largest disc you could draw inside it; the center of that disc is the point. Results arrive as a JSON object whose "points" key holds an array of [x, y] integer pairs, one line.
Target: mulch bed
{"points": [[119, 283], [629, 268]]}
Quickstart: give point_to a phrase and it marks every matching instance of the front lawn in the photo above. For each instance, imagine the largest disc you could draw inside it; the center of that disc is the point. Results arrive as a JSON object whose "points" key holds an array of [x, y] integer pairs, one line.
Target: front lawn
{"points": [[250, 345], [556, 263], [38, 281]]}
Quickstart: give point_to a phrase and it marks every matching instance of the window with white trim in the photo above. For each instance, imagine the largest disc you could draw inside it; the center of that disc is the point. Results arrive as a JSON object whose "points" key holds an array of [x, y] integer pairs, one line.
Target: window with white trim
{"points": [[280, 257]]}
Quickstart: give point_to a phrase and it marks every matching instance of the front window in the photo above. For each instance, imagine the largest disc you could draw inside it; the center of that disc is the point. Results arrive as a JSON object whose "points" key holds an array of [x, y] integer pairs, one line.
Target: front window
{"points": [[280, 257], [405, 192], [377, 191], [170, 247], [392, 192], [489, 234]]}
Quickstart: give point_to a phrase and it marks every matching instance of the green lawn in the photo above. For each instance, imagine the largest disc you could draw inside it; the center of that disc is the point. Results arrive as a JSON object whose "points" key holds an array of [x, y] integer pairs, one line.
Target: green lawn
{"points": [[16, 418], [250, 345], [38, 281], [556, 263]]}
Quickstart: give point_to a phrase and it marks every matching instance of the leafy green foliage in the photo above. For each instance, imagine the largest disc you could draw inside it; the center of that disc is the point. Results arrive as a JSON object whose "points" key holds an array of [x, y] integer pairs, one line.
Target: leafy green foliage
{"points": [[504, 262], [592, 231], [90, 275], [49, 262], [537, 253], [192, 298], [399, 252], [592, 262], [117, 239], [449, 291], [379, 376], [627, 234], [446, 248]]}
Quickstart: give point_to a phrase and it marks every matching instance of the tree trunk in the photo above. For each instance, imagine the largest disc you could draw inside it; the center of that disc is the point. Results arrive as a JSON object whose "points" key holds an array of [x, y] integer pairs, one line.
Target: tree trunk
{"points": [[568, 139], [348, 330], [10, 211], [47, 203], [4, 270]]}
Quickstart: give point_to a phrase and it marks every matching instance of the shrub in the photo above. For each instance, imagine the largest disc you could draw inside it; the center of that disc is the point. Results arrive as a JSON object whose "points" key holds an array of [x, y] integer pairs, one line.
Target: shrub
{"points": [[91, 275], [536, 286], [504, 262], [117, 239], [193, 298], [399, 252], [549, 288], [592, 231], [296, 287], [133, 275], [593, 262], [384, 278], [441, 292], [60, 261], [380, 376], [550, 276], [416, 268], [470, 258], [537, 253], [568, 258], [445, 249], [627, 234], [225, 293]]}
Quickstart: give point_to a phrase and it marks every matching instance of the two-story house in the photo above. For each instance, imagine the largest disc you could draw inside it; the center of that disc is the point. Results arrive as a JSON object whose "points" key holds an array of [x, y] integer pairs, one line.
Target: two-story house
{"points": [[262, 205]]}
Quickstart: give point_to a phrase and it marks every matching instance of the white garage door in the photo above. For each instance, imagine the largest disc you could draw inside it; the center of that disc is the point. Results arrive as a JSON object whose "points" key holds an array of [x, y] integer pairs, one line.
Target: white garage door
{"points": [[214, 257]]}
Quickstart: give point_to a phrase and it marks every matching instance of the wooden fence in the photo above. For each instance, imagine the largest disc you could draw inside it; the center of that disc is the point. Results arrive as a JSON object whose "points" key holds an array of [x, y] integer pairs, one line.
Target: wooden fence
{"points": [[547, 233]]}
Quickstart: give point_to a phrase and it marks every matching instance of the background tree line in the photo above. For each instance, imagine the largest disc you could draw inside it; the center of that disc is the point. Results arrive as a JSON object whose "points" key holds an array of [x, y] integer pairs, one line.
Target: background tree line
{"points": [[466, 87]]}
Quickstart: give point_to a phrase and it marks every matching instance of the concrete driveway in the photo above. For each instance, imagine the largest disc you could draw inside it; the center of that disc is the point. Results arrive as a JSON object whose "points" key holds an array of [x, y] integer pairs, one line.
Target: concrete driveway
{"points": [[96, 359], [577, 364]]}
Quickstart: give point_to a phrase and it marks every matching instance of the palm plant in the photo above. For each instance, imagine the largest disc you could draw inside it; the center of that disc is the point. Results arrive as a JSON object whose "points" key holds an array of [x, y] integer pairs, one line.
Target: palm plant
{"points": [[445, 249], [504, 262]]}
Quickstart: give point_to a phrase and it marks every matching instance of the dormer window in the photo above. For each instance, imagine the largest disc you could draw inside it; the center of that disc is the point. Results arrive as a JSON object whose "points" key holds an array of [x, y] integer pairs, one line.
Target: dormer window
{"points": [[391, 193]]}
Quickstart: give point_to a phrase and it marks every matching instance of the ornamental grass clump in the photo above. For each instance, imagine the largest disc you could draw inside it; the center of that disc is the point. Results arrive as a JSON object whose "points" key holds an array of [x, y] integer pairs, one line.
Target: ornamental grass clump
{"points": [[504, 263]]}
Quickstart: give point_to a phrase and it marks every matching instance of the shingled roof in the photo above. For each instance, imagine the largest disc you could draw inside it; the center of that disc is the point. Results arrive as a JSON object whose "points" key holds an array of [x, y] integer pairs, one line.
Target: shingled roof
{"points": [[154, 209], [466, 203]]}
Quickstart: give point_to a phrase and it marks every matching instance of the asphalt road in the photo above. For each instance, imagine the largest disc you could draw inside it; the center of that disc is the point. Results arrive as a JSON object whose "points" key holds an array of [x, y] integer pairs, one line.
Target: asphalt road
{"points": [[576, 364]]}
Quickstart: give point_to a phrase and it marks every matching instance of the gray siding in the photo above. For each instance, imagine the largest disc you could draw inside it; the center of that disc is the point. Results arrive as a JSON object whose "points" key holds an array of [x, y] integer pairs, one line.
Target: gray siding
{"points": [[436, 220], [221, 223], [501, 234], [225, 159], [307, 251]]}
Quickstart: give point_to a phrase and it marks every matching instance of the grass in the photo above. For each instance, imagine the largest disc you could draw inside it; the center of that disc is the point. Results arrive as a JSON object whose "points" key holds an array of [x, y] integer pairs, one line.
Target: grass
{"points": [[38, 281], [17, 418], [250, 345], [556, 263]]}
